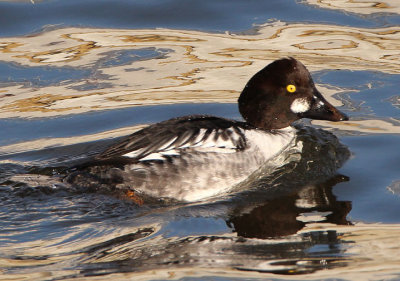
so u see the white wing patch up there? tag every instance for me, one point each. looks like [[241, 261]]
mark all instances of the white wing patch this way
[[218, 140], [168, 143], [133, 154], [152, 156]]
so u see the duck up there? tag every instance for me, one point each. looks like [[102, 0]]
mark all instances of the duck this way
[[192, 158]]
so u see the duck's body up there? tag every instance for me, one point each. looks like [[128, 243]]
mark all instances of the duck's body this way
[[187, 158], [194, 157]]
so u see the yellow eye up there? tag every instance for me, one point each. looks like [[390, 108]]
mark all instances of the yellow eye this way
[[291, 88]]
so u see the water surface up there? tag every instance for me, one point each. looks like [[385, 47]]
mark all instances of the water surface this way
[[76, 75]]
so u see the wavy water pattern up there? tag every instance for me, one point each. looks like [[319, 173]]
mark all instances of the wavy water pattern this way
[[366, 7], [109, 69], [68, 91]]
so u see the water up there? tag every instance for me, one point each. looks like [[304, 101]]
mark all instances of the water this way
[[75, 75]]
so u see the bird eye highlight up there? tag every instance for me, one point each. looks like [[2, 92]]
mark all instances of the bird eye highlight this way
[[291, 88]]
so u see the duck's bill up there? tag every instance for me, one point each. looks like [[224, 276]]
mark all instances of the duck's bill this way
[[323, 110]]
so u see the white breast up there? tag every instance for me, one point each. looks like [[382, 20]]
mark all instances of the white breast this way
[[270, 144]]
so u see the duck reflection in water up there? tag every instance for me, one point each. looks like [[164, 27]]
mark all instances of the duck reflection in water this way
[[286, 215]]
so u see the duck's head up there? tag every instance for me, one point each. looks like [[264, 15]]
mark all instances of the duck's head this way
[[282, 93]]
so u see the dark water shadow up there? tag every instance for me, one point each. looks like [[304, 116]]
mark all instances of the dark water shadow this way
[[282, 216]]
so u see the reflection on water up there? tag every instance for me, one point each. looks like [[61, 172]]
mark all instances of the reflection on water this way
[[66, 91], [287, 215], [107, 69], [359, 6], [182, 68]]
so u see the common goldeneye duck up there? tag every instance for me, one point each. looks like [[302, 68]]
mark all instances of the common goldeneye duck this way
[[195, 157]]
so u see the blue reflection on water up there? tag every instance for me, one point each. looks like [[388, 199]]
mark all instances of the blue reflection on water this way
[[373, 167], [23, 18], [126, 57], [39, 75], [374, 89]]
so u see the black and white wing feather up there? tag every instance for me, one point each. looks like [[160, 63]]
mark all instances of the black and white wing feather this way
[[171, 137]]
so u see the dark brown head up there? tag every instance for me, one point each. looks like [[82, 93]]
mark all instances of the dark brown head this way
[[282, 93]]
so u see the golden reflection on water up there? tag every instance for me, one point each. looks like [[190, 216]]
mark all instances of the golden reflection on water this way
[[195, 66], [365, 7], [371, 254]]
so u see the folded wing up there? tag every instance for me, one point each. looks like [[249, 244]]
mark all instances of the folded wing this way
[[173, 137]]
